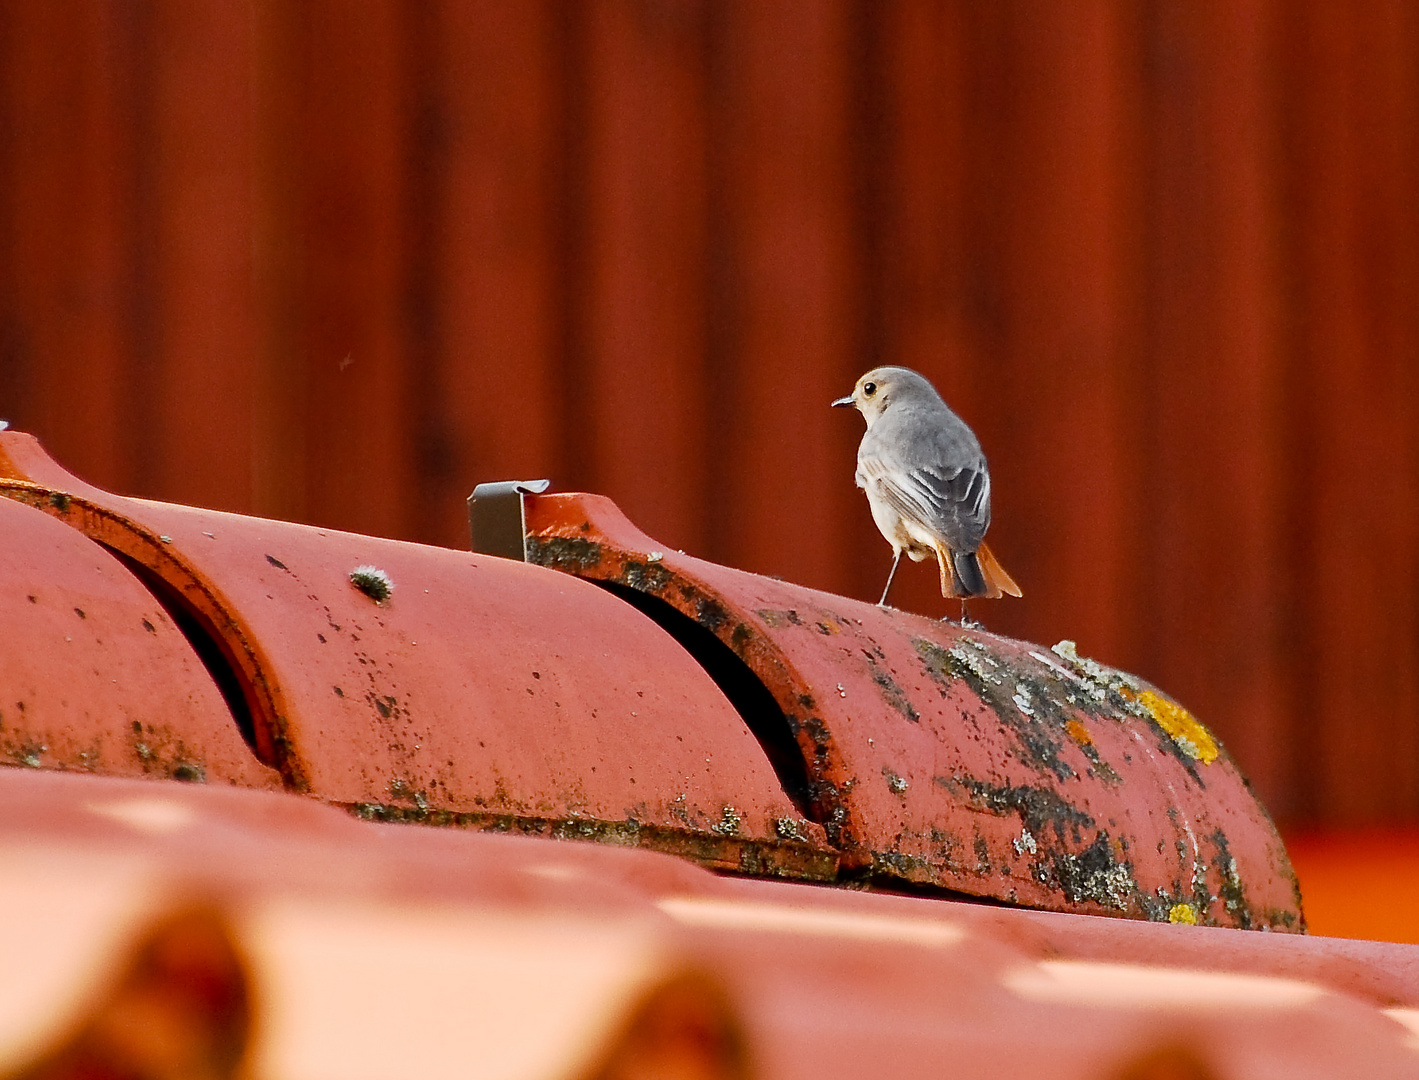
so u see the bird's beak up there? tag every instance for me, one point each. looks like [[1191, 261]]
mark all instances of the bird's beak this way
[[844, 402]]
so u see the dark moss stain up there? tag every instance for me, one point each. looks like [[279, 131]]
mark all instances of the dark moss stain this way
[[386, 705], [947, 847], [59, 501], [891, 692], [1231, 890], [647, 577], [741, 638], [1038, 807], [896, 783], [1168, 745], [824, 798], [1040, 731], [710, 614], [982, 852], [1101, 768], [161, 753], [1034, 738], [404, 791], [373, 583], [572, 554], [776, 617], [1093, 875], [28, 753], [945, 667], [898, 865], [787, 859], [815, 731]]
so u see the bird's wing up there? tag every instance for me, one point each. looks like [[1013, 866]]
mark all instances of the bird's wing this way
[[951, 503]]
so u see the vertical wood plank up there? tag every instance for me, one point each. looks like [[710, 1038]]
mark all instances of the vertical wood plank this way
[[642, 304], [789, 205], [494, 397], [1351, 81], [353, 335], [200, 225], [66, 167], [1054, 219], [280, 466], [1215, 513]]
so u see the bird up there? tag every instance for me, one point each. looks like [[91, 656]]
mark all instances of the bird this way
[[927, 483]]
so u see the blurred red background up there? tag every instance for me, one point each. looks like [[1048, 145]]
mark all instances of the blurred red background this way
[[339, 261]]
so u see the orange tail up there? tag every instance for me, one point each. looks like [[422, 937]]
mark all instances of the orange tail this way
[[996, 578], [993, 577]]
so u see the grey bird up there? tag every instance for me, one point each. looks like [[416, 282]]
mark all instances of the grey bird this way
[[927, 483]]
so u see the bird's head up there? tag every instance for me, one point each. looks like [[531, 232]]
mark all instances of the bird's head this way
[[883, 387]]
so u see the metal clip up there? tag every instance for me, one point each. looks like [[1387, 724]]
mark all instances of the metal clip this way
[[497, 520]]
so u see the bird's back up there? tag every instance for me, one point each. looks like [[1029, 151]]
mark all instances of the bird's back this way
[[927, 464]]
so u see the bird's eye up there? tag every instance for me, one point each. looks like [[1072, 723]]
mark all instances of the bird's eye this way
[[868, 389]]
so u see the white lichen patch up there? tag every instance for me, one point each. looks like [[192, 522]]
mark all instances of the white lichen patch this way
[[1187, 747], [788, 829], [1110, 887], [373, 582], [1099, 680], [1234, 879], [973, 661], [1026, 842], [1022, 699], [729, 821]]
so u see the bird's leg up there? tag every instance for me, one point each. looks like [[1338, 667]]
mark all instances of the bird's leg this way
[[890, 576], [966, 623]]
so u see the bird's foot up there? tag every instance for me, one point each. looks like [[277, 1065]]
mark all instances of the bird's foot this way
[[966, 623]]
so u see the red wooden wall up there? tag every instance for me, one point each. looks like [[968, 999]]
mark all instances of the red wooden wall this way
[[339, 261]]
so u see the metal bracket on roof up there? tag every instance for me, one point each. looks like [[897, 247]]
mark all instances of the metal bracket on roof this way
[[497, 520]]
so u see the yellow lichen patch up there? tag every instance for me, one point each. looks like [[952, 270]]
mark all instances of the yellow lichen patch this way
[[1182, 913], [1194, 739], [1078, 732]]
